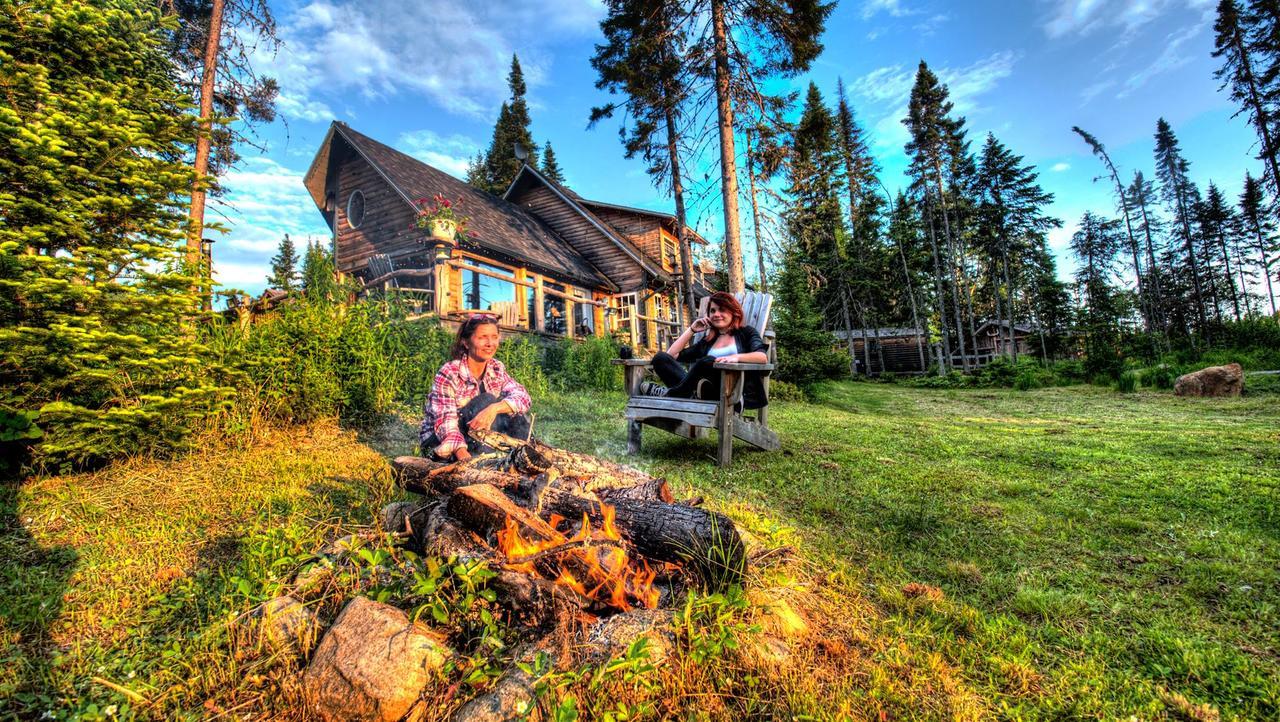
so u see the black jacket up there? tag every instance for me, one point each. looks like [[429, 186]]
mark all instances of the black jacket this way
[[748, 340]]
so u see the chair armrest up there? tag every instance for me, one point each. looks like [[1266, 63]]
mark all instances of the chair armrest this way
[[632, 362], [742, 367]]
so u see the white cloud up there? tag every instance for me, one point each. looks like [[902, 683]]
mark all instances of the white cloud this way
[[263, 200], [891, 86], [1081, 17], [1060, 167], [1170, 59], [455, 55], [451, 154], [870, 8]]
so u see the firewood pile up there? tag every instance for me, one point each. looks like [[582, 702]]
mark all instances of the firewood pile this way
[[568, 532], [586, 554]]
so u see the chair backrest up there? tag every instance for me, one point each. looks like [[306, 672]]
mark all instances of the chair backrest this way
[[380, 265], [755, 309]]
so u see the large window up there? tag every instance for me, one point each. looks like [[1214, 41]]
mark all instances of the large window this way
[[482, 292]]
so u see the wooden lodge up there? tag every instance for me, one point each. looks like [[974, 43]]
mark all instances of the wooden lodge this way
[[898, 350], [542, 258]]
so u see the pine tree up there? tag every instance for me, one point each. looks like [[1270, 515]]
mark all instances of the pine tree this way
[[284, 265], [860, 168], [785, 40], [319, 281], [550, 168], [1011, 218], [815, 228], [1217, 222], [500, 165], [1233, 46], [641, 60], [937, 140], [1260, 228], [1095, 245], [215, 41], [96, 347], [1139, 200], [1180, 194], [1148, 301]]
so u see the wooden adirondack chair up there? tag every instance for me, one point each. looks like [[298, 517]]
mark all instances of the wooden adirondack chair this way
[[692, 417]]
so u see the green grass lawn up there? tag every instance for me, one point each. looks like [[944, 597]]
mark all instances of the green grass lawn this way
[[1061, 553]]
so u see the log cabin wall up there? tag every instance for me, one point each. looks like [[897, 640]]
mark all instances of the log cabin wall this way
[[387, 223], [588, 240]]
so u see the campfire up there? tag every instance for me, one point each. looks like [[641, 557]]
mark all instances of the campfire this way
[[565, 531]]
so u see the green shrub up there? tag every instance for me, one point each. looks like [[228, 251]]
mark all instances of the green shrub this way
[[1000, 372], [1160, 377], [952, 380], [785, 391], [1127, 382], [586, 364]]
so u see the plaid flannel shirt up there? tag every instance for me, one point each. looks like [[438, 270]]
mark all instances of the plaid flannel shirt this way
[[454, 387]]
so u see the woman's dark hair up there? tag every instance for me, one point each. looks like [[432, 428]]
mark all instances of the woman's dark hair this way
[[726, 302], [467, 329]]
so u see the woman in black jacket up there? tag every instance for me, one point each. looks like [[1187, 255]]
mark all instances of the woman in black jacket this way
[[727, 339]]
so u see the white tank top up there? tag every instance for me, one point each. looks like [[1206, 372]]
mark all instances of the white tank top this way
[[722, 352]]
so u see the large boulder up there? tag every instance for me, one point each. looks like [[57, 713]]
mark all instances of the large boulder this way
[[371, 665], [1212, 381]]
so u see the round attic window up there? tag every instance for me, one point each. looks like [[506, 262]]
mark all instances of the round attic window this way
[[355, 209]]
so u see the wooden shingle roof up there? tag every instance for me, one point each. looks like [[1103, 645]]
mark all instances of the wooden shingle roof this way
[[495, 224]]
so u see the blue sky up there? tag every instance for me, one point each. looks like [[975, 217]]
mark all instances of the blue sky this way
[[427, 78]]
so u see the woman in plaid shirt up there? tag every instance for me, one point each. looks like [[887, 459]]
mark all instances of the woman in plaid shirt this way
[[473, 391]]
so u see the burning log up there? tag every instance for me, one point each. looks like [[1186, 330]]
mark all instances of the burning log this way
[[707, 540], [430, 477]]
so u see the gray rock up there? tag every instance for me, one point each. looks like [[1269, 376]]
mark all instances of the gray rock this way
[[1212, 381], [371, 665]]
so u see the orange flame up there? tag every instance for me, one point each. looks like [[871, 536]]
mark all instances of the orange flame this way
[[610, 576]]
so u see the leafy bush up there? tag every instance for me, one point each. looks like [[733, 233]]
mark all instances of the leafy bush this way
[[1127, 382], [785, 391], [805, 365], [1000, 372], [1160, 377], [586, 364]]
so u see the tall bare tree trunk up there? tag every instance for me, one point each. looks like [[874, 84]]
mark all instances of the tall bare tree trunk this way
[[1008, 288], [941, 296], [951, 261], [677, 190], [755, 214], [204, 139], [915, 318], [728, 155]]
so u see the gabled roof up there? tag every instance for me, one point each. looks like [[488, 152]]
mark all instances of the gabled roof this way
[[574, 201], [495, 224], [693, 235], [1004, 326]]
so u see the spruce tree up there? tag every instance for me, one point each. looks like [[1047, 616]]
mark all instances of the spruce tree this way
[[551, 168], [1011, 217], [1233, 46], [641, 60], [1217, 222], [860, 168], [319, 281], [1260, 228], [1148, 302], [1095, 245], [284, 265], [937, 141], [1180, 194], [1140, 202], [96, 346], [500, 165]]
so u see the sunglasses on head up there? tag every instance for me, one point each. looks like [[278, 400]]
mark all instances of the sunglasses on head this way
[[482, 317]]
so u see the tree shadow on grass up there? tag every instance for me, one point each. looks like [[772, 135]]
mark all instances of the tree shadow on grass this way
[[33, 581]]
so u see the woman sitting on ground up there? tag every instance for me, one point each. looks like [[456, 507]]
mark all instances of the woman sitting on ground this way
[[473, 391], [727, 339]]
